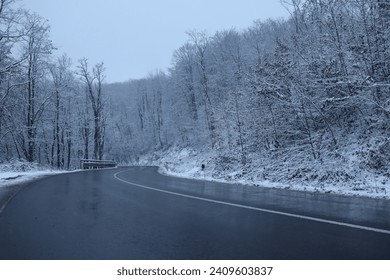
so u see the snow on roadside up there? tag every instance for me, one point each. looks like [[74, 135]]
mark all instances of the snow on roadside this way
[[17, 172], [327, 178]]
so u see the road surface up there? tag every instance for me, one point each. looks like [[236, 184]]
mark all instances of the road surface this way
[[136, 213]]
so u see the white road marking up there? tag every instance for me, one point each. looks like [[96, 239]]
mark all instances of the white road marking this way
[[5, 204], [255, 208]]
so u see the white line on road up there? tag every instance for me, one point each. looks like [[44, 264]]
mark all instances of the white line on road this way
[[255, 208]]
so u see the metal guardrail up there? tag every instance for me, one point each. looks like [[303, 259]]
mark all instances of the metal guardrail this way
[[96, 164]]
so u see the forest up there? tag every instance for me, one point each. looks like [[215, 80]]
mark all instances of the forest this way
[[302, 100]]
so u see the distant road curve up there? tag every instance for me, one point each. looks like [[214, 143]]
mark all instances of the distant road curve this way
[[137, 213]]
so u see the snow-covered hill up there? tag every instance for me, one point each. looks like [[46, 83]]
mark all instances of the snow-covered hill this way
[[329, 177]]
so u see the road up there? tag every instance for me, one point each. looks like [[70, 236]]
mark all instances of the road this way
[[136, 213]]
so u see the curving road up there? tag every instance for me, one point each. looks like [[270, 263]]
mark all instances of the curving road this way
[[136, 213]]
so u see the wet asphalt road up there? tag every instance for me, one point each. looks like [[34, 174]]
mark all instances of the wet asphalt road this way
[[120, 214]]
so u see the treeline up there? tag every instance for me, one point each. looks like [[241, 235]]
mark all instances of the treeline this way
[[49, 113], [309, 90], [281, 97]]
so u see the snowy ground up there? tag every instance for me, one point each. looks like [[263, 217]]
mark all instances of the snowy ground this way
[[17, 172], [327, 178]]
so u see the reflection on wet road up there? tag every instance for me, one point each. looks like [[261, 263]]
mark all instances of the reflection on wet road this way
[[93, 215]]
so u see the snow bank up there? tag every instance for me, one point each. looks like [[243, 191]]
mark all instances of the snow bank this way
[[17, 171], [326, 177]]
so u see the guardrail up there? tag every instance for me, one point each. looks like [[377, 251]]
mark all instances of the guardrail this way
[[96, 164]]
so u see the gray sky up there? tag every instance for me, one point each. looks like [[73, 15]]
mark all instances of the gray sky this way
[[135, 38]]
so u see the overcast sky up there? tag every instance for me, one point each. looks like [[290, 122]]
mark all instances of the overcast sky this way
[[134, 38]]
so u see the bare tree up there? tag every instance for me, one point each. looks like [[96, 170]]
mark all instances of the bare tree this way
[[201, 42], [94, 89], [37, 48], [62, 79]]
